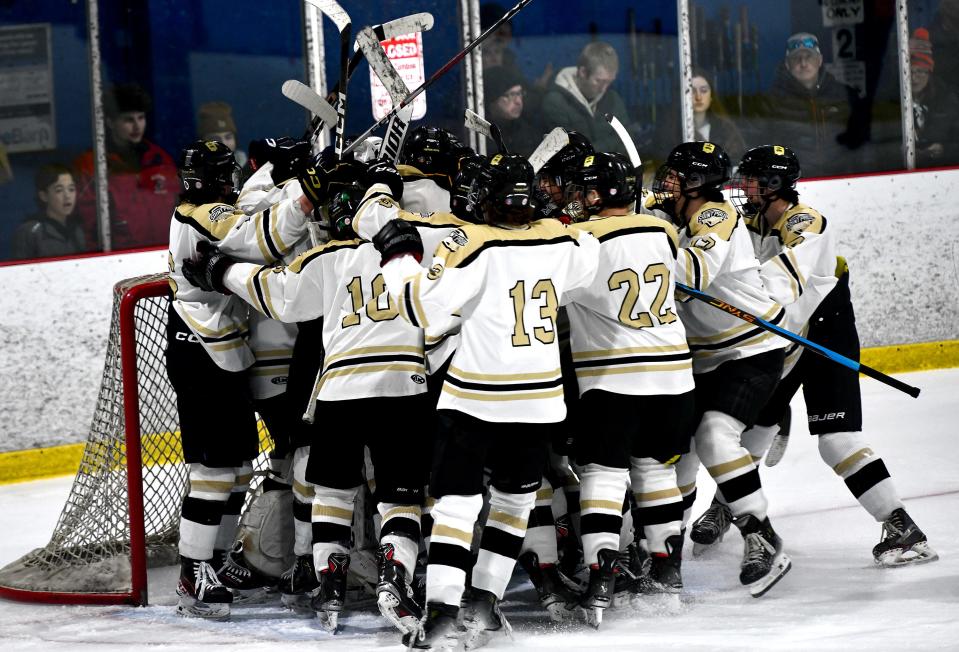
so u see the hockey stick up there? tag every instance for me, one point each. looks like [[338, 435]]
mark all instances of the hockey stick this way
[[628, 143], [300, 93], [778, 448], [442, 71], [802, 341], [395, 86], [474, 122], [332, 10], [549, 147]]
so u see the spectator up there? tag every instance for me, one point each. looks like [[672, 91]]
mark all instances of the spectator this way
[[142, 177], [581, 96], [55, 230], [809, 109], [497, 53], [505, 94], [215, 122], [935, 107], [944, 34], [711, 121]]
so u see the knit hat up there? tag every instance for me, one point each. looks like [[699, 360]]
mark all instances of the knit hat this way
[[123, 98], [498, 80], [920, 50], [214, 118], [802, 41]]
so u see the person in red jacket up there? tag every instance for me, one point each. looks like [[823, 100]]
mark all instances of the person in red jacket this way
[[142, 176]]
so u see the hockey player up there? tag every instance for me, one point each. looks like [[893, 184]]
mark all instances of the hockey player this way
[[551, 180], [736, 366], [428, 163], [503, 391], [374, 364], [208, 357], [631, 358], [800, 269]]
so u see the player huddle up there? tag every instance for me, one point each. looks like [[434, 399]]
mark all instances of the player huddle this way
[[499, 351]]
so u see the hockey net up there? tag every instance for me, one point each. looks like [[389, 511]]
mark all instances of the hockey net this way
[[123, 511]]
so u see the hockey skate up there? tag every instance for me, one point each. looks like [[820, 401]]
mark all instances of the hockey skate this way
[[330, 597], [394, 594], [200, 593], [438, 631], [602, 579], [635, 562], [551, 588], [711, 527], [659, 588], [902, 542], [482, 617], [248, 585], [297, 585], [764, 562]]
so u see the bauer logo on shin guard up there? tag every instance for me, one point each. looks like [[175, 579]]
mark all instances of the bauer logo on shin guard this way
[[832, 416]]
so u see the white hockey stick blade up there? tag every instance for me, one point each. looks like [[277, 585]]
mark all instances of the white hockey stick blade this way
[[627, 140], [298, 92], [381, 65], [478, 124], [332, 10], [421, 22], [554, 141], [776, 450]]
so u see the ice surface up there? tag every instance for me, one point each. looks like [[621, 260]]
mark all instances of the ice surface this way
[[833, 599]]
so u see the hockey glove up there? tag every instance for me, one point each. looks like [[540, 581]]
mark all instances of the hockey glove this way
[[206, 269], [386, 173], [397, 238], [286, 155]]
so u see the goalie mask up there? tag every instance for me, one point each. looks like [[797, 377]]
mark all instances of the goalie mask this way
[[503, 190], [693, 170], [603, 180], [208, 173], [766, 173]]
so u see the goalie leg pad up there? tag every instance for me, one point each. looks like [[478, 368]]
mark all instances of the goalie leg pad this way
[[266, 532]]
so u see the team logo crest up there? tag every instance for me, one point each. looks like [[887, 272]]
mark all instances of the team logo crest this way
[[456, 239], [435, 272], [799, 222], [387, 202], [219, 212], [712, 216]]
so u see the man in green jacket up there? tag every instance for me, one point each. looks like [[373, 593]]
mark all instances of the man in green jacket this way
[[581, 96]]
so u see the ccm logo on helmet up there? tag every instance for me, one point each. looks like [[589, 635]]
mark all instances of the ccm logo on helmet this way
[[832, 416]]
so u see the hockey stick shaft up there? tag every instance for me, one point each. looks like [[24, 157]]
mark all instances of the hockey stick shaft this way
[[802, 341], [474, 122], [442, 71]]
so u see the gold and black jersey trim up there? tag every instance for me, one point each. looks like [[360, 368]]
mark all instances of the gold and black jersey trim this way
[[359, 360], [785, 259], [503, 387], [492, 244], [434, 343], [267, 236], [748, 334], [605, 237], [696, 267], [193, 224], [608, 361]]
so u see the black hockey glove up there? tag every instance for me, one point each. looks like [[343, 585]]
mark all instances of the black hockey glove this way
[[206, 269], [286, 154], [386, 173], [396, 238]]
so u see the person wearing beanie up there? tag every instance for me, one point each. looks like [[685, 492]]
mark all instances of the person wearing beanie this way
[[582, 95], [142, 176], [215, 122], [505, 94], [934, 106]]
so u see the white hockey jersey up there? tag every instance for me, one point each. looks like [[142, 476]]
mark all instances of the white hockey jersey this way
[[421, 194], [369, 351], [625, 334], [716, 256], [798, 265], [507, 284], [219, 321]]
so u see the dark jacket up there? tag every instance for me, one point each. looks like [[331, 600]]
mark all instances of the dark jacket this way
[[562, 109], [39, 237], [809, 121], [723, 132], [520, 136], [935, 111]]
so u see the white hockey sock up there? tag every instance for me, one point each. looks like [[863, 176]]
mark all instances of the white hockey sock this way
[[226, 534], [729, 464], [601, 507], [863, 471], [757, 440], [401, 527], [332, 522], [202, 510], [303, 493], [658, 500], [502, 539], [541, 529], [627, 531], [449, 551], [687, 468]]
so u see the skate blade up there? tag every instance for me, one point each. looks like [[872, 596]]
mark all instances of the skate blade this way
[[251, 596], [920, 553], [781, 565], [192, 608], [593, 616], [299, 604], [387, 603], [328, 620]]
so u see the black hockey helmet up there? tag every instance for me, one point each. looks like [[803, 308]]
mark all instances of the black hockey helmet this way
[[504, 189], [433, 150], [611, 176], [464, 197], [566, 161], [693, 170], [774, 167], [208, 172], [346, 190]]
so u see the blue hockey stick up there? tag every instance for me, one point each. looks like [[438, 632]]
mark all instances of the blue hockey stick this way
[[802, 341]]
